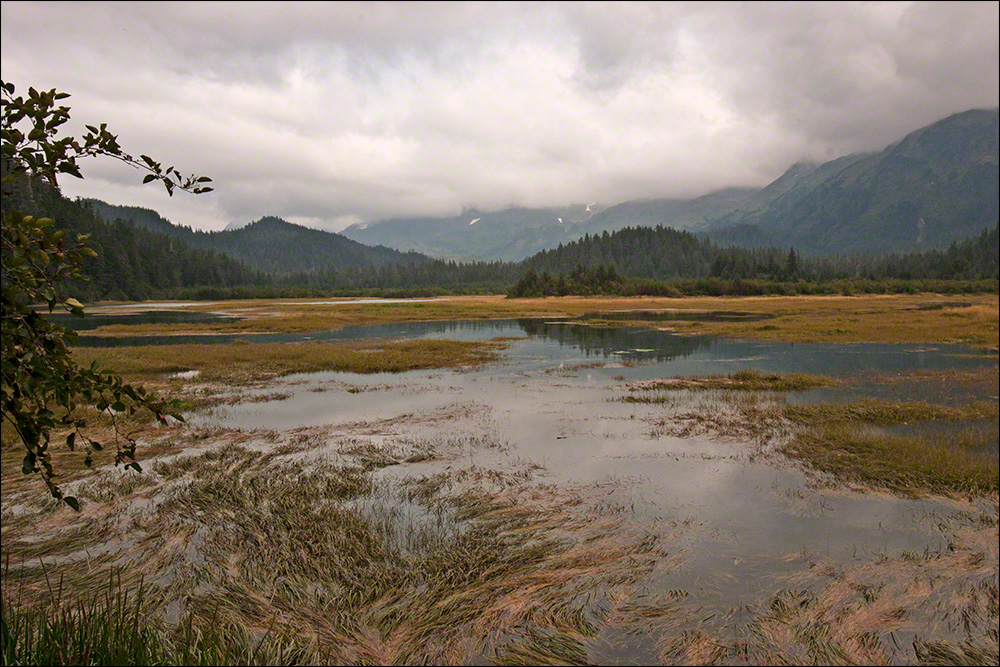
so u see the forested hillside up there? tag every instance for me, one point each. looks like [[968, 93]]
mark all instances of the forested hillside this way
[[625, 262], [132, 262], [269, 244], [658, 253]]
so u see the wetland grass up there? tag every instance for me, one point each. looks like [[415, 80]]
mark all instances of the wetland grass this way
[[745, 380], [245, 545], [881, 412], [838, 438], [903, 464], [245, 363], [113, 627], [107, 629], [984, 380], [875, 612], [358, 569], [935, 653], [923, 318]]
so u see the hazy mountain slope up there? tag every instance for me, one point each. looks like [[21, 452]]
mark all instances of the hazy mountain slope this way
[[937, 185], [515, 233], [510, 234], [677, 213], [269, 244]]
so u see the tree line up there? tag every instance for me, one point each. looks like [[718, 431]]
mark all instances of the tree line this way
[[967, 267]]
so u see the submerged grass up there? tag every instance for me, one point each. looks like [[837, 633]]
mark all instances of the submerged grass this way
[[933, 608], [357, 569], [242, 362]]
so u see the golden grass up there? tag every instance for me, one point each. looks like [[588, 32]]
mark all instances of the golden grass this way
[[883, 413], [904, 464], [925, 318], [746, 380], [242, 362]]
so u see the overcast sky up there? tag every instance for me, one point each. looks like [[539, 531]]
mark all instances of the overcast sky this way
[[329, 114]]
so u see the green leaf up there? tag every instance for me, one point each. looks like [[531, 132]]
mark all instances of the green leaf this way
[[42, 385]]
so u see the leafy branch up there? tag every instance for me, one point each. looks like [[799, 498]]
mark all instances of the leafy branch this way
[[34, 150], [42, 387]]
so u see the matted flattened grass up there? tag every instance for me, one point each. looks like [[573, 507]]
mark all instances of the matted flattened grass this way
[[358, 570], [244, 362], [930, 608], [903, 464]]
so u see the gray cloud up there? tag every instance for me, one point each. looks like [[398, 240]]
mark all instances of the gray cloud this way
[[333, 113]]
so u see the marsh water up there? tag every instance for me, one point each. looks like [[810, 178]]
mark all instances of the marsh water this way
[[744, 524]]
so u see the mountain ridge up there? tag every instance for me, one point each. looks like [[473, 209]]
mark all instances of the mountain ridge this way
[[936, 185], [269, 243]]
